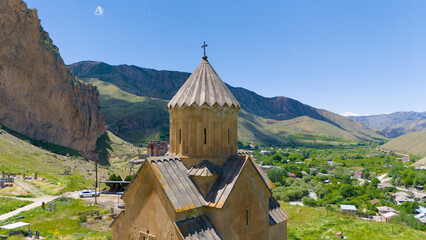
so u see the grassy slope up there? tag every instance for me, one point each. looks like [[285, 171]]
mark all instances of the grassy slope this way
[[136, 118], [317, 223], [120, 106], [421, 162], [19, 156], [10, 204], [63, 224], [414, 143]]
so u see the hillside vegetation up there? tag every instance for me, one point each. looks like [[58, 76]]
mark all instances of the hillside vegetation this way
[[414, 143], [318, 223], [21, 155], [132, 112], [132, 117]]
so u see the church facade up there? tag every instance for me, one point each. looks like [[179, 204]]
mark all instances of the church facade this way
[[204, 188]]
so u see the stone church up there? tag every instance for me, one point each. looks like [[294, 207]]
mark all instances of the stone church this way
[[204, 188]]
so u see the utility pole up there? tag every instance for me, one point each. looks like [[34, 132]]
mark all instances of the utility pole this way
[[96, 181]]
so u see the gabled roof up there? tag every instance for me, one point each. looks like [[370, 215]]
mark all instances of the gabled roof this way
[[197, 228], [180, 190], [276, 214], [231, 171], [386, 209], [204, 86], [348, 207], [204, 169], [224, 185], [389, 214]]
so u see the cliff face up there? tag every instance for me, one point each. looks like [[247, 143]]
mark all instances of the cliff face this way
[[39, 96]]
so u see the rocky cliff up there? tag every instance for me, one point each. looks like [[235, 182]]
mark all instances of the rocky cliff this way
[[39, 96]]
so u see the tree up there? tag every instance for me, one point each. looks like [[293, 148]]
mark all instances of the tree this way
[[347, 191], [408, 181], [409, 207], [277, 174], [308, 201], [277, 157], [374, 182], [129, 178]]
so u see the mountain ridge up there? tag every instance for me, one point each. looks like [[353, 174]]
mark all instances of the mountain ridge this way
[[163, 85], [395, 124]]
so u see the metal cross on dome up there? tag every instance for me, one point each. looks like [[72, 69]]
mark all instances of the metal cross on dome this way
[[204, 46]]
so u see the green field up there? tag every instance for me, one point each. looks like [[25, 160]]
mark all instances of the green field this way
[[10, 204], [65, 223], [317, 223]]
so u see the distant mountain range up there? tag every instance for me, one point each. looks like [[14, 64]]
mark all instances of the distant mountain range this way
[[262, 120], [394, 124]]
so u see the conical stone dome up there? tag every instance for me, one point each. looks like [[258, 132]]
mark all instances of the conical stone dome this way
[[203, 119], [204, 86]]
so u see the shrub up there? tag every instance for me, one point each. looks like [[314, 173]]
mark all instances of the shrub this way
[[374, 182], [308, 201], [82, 219]]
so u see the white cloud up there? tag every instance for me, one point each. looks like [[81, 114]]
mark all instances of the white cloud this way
[[348, 114], [294, 48], [99, 11]]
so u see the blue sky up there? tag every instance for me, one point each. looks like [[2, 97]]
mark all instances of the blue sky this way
[[359, 56]]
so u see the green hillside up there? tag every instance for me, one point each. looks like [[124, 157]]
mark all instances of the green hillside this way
[[132, 117], [21, 155], [414, 143], [131, 112]]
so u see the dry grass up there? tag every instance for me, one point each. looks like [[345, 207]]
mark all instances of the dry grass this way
[[414, 143]]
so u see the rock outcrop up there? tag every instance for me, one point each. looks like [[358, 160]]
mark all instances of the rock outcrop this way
[[39, 96]]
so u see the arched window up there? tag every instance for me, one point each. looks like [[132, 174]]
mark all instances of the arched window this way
[[229, 136], [247, 216], [205, 135], [180, 136]]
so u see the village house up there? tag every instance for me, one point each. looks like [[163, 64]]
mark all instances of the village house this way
[[421, 216], [358, 175], [385, 209], [404, 159], [157, 148], [265, 152], [420, 197], [401, 197], [266, 168], [204, 188], [385, 217], [349, 209]]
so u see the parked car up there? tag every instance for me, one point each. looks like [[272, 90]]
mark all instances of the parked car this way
[[90, 193]]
